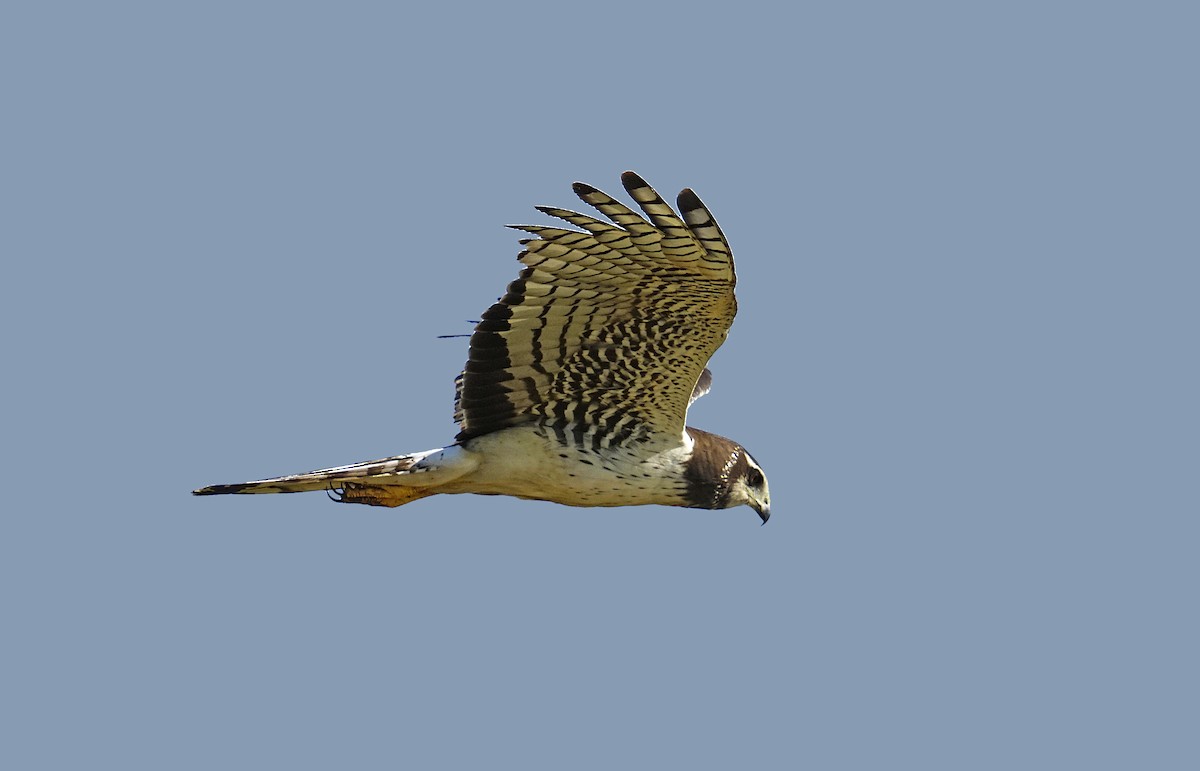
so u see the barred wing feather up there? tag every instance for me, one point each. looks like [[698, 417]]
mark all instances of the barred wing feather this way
[[604, 336]]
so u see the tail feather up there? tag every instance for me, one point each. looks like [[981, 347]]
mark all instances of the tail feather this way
[[322, 479]]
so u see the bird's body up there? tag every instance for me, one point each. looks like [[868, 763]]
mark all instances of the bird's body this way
[[534, 464], [580, 377]]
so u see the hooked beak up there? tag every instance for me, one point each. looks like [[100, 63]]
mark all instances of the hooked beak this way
[[763, 509]]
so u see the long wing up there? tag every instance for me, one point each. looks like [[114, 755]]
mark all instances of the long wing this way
[[605, 334]]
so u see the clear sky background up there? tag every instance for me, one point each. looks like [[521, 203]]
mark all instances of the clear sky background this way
[[968, 255]]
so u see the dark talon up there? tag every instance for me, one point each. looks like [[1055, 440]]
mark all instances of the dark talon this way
[[336, 494]]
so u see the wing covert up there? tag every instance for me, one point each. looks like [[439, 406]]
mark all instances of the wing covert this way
[[605, 334]]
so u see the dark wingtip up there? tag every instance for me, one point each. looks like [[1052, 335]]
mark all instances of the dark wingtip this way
[[582, 188], [632, 181], [689, 201]]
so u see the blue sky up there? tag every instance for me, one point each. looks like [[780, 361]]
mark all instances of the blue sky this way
[[965, 355]]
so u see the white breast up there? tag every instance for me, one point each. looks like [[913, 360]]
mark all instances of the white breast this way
[[527, 463]]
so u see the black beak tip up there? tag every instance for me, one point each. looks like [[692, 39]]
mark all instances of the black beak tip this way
[[765, 513]]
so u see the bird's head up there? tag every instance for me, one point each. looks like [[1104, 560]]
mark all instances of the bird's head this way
[[750, 487], [721, 474]]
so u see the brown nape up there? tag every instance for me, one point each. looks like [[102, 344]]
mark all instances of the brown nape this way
[[379, 495], [715, 461]]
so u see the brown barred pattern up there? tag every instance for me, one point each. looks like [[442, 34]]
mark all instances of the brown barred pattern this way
[[604, 336]]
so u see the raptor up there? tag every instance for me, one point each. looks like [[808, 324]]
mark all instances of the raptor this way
[[579, 379]]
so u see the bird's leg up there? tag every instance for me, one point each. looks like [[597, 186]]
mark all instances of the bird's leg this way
[[377, 495]]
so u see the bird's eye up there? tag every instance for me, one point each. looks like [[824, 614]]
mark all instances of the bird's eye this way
[[754, 477]]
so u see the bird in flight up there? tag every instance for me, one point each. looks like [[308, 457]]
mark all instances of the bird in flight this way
[[579, 379]]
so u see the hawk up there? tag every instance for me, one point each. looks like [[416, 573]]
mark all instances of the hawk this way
[[579, 379]]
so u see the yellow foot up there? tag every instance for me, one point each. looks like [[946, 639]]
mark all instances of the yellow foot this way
[[378, 495]]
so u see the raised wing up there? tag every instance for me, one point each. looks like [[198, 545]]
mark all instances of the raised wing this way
[[605, 334], [703, 386]]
